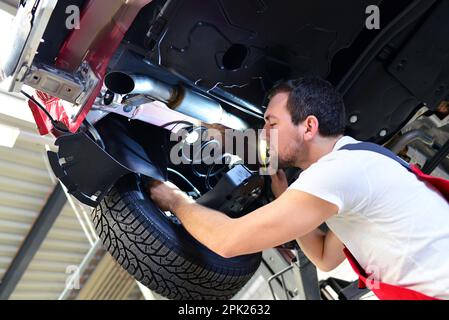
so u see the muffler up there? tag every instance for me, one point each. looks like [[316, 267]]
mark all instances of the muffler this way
[[177, 98]]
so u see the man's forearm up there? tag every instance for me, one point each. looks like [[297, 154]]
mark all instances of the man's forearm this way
[[325, 250], [210, 227], [312, 245]]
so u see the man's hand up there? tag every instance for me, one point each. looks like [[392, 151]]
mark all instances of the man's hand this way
[[279, 183], [166, 195]]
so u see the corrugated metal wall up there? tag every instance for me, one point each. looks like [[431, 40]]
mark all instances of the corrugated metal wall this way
[[109, 281]]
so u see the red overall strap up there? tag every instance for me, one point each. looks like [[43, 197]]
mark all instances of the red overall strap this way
[[383, 291], [440, 184]]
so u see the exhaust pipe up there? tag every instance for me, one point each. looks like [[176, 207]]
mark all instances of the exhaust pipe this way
[[177, 98]]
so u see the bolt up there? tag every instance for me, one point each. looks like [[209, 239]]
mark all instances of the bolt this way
[[383, 133], [353, 119], [401, 66], [127, 108]]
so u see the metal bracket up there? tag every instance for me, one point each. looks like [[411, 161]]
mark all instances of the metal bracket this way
[[277, 276], [235, 191], [74, 88], [304, 277], [27, 30], [56, 83], [345, 290]]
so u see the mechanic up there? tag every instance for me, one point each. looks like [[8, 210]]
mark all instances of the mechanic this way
[[395, 226]]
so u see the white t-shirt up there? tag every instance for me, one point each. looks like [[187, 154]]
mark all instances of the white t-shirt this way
[[394, 225]]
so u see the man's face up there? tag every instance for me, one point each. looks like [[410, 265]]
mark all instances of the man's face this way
[[289, 147]]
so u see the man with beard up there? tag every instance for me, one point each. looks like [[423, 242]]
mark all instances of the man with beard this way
[[372, 205]]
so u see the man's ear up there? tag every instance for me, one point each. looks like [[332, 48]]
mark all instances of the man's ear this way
[[311, 125]]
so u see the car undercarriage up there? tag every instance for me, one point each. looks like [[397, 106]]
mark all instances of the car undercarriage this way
[[114, 86]]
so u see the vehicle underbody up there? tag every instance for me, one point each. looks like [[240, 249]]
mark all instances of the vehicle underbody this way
[[136, 70]]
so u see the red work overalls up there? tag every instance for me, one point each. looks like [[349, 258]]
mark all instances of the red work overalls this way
[[386, 291]]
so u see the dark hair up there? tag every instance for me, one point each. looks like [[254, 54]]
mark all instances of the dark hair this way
[[314, 96]]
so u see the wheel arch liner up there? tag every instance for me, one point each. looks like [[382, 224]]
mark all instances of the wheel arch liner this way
[[89, 171]]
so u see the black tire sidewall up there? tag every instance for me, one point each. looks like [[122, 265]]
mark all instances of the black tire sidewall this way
[[176, 236]]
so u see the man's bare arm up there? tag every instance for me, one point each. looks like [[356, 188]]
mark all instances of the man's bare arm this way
[[325, 250], [294, 214]]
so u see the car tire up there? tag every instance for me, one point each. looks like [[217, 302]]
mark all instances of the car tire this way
[[160, 253]]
